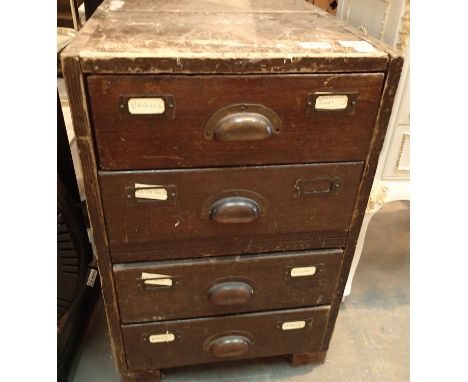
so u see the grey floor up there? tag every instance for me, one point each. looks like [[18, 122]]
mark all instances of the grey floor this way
[[371, 339]]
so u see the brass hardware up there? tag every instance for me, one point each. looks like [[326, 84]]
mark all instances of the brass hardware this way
[[229, 346], [242, 123], [234, 210], [316, 187], [230, 293], [208, 203]]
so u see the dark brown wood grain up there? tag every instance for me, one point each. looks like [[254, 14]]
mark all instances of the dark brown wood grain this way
[[127, 141], [181, 225], [75, 88], [233, 208], [300, 359], [388, 96], [192, 338], [286, 65], [268, 276], [150, 375]]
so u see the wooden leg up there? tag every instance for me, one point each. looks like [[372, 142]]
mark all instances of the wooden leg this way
[[298, 359], [141, 376]]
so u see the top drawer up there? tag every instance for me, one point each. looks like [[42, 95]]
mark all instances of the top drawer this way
[[149, 121]]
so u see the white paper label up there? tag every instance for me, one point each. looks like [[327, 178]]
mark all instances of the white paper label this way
[[156, 279], [148, 191], [303, 271], [166, 337], [314, 45], [146, 106], [162, 282], [92, 278], [293, 325], [359, 46], [331, 102]]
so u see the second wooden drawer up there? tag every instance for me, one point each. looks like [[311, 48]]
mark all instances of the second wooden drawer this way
[[156, 215], [196, 288]]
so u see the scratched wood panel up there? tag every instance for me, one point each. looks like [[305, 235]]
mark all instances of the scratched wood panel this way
[[185, 39], [219, 37], [265, 280], [261, 333], [181, 225], [127, 141], [81, 124], [385, 110]]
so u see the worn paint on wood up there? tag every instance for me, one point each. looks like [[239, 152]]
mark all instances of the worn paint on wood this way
[[267, 276], [294, 201], [214, 36], [126, 141], [182, 227]]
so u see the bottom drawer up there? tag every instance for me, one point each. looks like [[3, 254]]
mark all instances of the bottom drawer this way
[[184, 342]]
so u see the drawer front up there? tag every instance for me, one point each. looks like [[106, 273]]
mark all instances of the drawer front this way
[[144, 122], [188, 213], [195, 288], [204, 340]]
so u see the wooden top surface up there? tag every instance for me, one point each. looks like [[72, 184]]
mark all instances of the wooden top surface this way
[[197, 35]]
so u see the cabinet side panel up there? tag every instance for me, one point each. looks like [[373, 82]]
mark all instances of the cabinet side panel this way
[[388, 95], [77, 97]]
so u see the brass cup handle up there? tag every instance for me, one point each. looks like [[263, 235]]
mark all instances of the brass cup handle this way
[[242, 123], [230, 293], [243, 127], [234, 210], [229, 346]]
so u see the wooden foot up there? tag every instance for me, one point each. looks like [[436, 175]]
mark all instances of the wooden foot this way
[[298, 359], [141, 376]]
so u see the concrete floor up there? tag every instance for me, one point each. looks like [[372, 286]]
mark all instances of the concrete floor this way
[[371, 339]]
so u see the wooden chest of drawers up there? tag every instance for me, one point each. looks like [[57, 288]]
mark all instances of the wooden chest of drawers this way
[[228, 151]]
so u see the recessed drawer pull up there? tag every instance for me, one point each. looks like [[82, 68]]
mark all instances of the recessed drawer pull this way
[[229, 346], [242, 123], [243, 127], [230, 293], [234, 210]]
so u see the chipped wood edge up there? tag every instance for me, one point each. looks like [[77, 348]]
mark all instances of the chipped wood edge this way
[[370, 167], [276, 65], [141, 376], [380, 129], [300, 359], [75, 85], [312, 62]]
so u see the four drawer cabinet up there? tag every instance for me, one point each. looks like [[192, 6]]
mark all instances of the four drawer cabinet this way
[[228, 151]]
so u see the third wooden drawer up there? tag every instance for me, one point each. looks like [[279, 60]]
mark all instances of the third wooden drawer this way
[[166, 290]]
